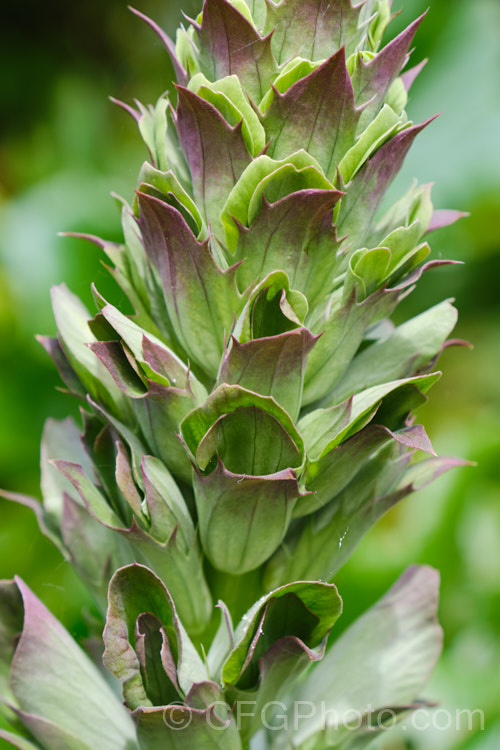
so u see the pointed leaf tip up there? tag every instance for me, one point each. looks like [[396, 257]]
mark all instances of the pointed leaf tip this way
[[201, 298], [180, 71], [367, 189], [442, 218], [216, 153], [303, 117], [126, 107], [373, 78], [230, 44], [409, 77]]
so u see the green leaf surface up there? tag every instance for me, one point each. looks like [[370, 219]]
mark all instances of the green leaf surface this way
[[320, 543], [72, 320], [94, 500], [382, 18], [272, 366], [62, 440], [273, 179], [137, 449], [281, 182], [364, 401], [228, 96], [295, 234], [180, 727], [415, 206], [201, 440], [401, 242], [420, 474], [155, 657], [409, 348], [229, 44], [159, 416], [304, 610], [372, 77], [328, 475], [159, 404], [95, 551], [222, 643], [342, 333], [151, 353], [257, 509], [159, 134], [289, 74], [216, 153], [54, 681], [303, 117], [289, 628], [272, 308], [385, 657], [169, 392], [115, 360], [167, 507], [368, 269], [168, 184], [386, 124], [312, 28], [67, 374], [133, 591], [201, 299], [174, 559], [366, 190], [50, 734], [249, 441], [17, 741], [257, 9]]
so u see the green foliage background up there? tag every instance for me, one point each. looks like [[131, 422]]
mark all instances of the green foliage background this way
[[64, 147]]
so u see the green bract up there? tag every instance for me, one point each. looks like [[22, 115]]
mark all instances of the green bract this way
[[245, 427]]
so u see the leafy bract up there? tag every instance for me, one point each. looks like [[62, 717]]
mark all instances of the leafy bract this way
[[368, 187], [303, 116], [58, 691], [258, 508], [215, 151], [227, 95], [158, 530], [190, 276], [295, 234], [273, 366], [255, 415], [311, 28], [142, 624], [229, 44], [276, 640], [386, 658], [270, 179]]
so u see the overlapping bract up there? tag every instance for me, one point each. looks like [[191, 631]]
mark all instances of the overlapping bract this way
[[261, 281], [255, 415], [177, 699]]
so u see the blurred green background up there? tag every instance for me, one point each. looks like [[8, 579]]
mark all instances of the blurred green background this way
[[64, 147]]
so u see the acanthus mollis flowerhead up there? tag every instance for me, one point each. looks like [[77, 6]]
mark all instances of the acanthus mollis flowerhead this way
[[254, 416], [260, 372]]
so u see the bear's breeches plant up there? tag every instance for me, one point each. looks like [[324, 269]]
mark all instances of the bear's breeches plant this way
[[253, 417]]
